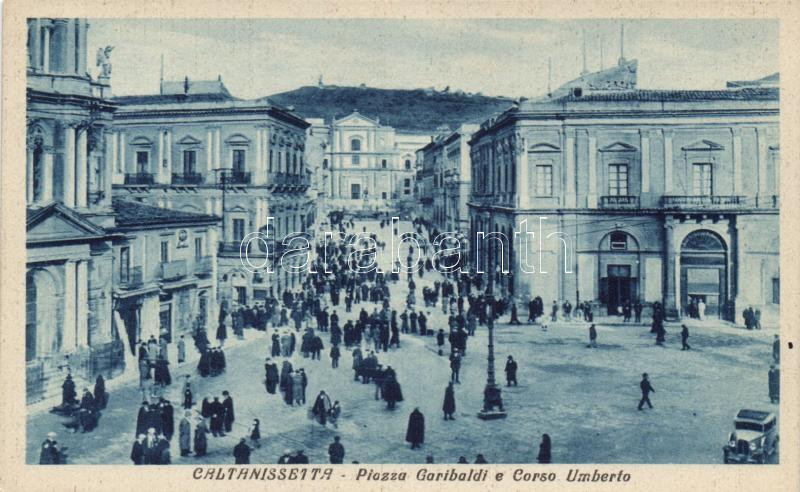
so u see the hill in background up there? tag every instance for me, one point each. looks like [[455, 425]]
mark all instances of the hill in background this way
[[415, 110]]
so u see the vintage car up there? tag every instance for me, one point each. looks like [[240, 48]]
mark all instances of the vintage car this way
[[754, 439]]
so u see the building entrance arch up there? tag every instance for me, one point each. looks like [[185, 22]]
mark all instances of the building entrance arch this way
[[704, 274]]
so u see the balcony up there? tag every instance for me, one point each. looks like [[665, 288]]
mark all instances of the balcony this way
[[203, 266], [619, 201], [702, 201], [173, 270], [130, 279], [235, 178], [187, 179], [141, 179]]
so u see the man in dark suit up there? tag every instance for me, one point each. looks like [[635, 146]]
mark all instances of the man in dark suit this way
[[646, 389]]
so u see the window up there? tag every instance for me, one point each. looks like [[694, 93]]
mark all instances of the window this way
[[142, 161], [776, 290], [356, 160], [124, 264], [407, 182], [407, 191], [408, 164], [270, 160], [188, 161], [238, 230], [618, 179], [619, 240], [544, 180], [324, 163], [383, 163], [238, 161], [355, 191], [164, 251], [241, 295], [383, 195], [294, 163], [198, 248], [355, 145], [701, 179]]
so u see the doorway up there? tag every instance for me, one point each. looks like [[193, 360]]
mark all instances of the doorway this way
[[619, 287], [165, 322]]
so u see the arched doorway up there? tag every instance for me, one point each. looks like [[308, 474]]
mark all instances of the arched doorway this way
[[42, 316], [703, 273]]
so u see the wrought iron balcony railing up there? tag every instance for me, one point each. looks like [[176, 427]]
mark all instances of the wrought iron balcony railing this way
[[139, 179], [187, 178], [173, 270], [702, 201], [619, 201]]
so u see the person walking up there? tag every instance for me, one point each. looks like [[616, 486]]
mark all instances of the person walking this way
[[415, 434], [449, 405], [440, 340], [255, 433], [646, 388], [592, 336], [511, 371], [335, 354], [336, 451], [544, 450], [685, 337], [227, 405], [455, 366], [200, 439]]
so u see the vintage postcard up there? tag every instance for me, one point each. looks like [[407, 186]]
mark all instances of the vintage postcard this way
[[385, 245]]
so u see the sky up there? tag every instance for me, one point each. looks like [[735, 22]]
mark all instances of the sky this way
[[259, 57]]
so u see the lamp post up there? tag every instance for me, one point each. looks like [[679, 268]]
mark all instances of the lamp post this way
[[492, 397]]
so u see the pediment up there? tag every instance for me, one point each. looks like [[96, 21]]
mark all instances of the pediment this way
[[618, 147], [356, 119], [141, 141], [237, 138], [189, 140], [56, 222], [704, 145], [544, 147]]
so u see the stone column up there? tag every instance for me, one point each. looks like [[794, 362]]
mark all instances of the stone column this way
[[123, 166], [46, 49], [645, 146], [168, 147], [36, 49], [69, 167], [160, 149], [29, 192], [569, 154], [673, 270], [218, 148], [82, 303], [522, 177], [108, 166], [69, 48], [737, 161], [68, 334], [83, 27], [592, 197], [259, 157], [47, 175], [209, 166], [761, 136], [81, 166], [667, 162]]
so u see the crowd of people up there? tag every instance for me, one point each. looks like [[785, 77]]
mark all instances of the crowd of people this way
[[298, 325]]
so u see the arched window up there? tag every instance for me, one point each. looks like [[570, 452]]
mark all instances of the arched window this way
[[355, 144], [408, 164]]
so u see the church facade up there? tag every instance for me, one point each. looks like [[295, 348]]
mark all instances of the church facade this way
[[372, 167], [68, 324], [660, 196]]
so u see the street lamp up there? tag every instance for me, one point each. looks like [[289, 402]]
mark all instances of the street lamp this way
[[492, 397]]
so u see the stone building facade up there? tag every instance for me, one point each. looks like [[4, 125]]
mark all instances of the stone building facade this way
[[194, 147], [69, 212], [447, 176], [164, 273], [372, 167], [668, 196]]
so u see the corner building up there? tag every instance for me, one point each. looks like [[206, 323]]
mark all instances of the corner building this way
[[194, 147], [668, 196]]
